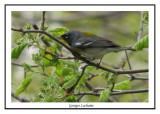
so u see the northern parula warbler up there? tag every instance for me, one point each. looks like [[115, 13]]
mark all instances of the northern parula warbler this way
[[91, 45]]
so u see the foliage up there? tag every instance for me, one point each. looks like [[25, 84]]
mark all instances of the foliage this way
[[59, 31], [58, 76], [23, 86], [71, 99], [16, 51], [70, 83], [123, 85], [145, 17], [109, 78], [143, 43], [104, 95], [27, 67]]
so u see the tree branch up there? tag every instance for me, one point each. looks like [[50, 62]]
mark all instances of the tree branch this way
[[22, 65], [113, 93], [129, 92], [59, 58], [78, 56], [71, 90], [56, 56], [43, 32], [140, 78], [83, 69]]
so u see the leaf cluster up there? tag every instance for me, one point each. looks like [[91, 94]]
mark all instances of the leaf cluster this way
[[62, 74]]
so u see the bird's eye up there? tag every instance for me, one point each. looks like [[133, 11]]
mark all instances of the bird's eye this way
[[66, 37]]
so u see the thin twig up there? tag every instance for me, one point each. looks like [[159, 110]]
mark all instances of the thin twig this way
[[129, 64], [112, 86], [87, 93], [69, 58], [83, 69], [140, 78], [129, 92], [110, 65], [79, 56], [44, 32], [25, 73], [136, 78], [43, 20], [56, 56], [141, 28], [80, 98], [22, 65], [74, 86], [98, 89], [43, 40], [92, 76], [113, 93]]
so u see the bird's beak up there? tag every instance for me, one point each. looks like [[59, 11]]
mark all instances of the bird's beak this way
[[60, 37]]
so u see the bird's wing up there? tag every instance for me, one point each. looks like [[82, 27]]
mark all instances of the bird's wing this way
[[94, 42]]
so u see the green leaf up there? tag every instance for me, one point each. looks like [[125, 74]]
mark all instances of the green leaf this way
[[63, 71], [53, 79], [123, 85], [47, 62], [71, 99], [70, 83], [59, 31], [56, 80], [67, 78], [58, 46], [24, 85], [146, 100], [143, 43], [37, 58], [104, 95], [16, 51], [67, 71], [27, 67], [48, 98], [111, 77], [27, 26], [104, 75], [145, 17], [53, 49], [42, 90], [46, 26], [59, 72], [46, 38]]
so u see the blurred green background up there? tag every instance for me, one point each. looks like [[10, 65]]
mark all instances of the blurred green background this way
[[120, 27]]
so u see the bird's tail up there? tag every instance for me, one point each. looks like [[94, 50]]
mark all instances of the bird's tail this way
[[128, 48]]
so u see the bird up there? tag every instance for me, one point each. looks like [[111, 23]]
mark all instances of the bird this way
[[90, 45]]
